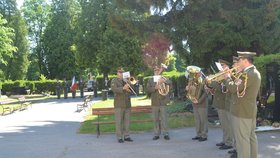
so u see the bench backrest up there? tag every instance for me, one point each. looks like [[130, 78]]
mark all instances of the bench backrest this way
[[107, 111]]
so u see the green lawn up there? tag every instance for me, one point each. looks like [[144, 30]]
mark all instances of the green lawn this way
[[178, 118]]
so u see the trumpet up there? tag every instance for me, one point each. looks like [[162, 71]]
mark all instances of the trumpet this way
[[218, 77]]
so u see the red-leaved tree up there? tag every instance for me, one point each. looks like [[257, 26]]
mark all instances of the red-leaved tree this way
[[155, 50]]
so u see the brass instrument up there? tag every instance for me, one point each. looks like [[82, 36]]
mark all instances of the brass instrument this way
[[218, 77], [131, 81], [194, 84], [163, 87]]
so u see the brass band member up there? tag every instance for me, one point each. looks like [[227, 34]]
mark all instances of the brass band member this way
[[122, 105], [231, 97], [200, 106], [159, 103], [222, 105], [244, 109]]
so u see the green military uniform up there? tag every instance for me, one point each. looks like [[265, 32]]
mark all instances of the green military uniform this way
[[220, 102], [81, 87], [57, 89], [122, 105], [65, 89], [228, 123], [159, 103], [231, 97], [244, 111], [200, 111]]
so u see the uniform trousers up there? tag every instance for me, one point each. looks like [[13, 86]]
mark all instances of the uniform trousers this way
[[231, 134], [225, 122], [160, 120], [122, 118], [201, 121], [245, 136]]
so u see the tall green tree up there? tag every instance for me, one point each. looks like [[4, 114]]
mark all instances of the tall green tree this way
[[105, 37], [17, 65], [59, 39], [6, 48], [36, 14]]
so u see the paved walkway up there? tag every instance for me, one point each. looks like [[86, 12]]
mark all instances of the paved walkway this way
[[49, 130]]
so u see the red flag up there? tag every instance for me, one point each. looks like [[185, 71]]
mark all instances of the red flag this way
[[74, 84]]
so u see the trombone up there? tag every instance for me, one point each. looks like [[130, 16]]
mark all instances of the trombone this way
[[130, 81]]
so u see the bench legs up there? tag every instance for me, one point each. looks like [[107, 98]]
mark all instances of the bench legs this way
[[97, 127]]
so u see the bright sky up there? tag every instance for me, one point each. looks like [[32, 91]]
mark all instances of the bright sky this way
[[19, 3]]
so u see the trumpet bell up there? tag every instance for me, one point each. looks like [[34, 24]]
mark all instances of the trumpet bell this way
[[191, 71]]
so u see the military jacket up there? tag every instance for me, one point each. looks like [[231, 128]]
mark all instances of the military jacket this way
[[219, 96], [121, 97], [156, 98], [202, 97], [246, 106]]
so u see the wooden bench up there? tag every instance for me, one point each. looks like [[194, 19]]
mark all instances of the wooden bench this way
[[6, 109], [85, 104], [110, 111], [23, 103]]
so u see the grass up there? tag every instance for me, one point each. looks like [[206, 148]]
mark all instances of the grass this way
[[178, 118]]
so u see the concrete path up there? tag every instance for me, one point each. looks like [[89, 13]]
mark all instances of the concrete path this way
[[49, 130]]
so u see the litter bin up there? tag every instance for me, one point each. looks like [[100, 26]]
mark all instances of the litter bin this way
[[104, 94]]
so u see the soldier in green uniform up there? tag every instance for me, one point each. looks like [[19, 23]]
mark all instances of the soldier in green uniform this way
[[65, 89], [219, 91], [81, 87], [57, 88], [122, 105], [159, 103], [244, 108], [200, 107], [231, 97]]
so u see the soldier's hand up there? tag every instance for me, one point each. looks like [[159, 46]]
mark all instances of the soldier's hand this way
[[157, 86], [126, 87], [195, 101]]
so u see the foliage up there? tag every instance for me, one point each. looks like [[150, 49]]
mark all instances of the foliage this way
[[155, 49], [18, 65], [58, 39], [123, 48], [36, 14], [42, 77], [6, 46], [34, 86], [261, 62]]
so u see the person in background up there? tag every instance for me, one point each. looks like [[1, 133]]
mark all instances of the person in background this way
[[81, 87], [122, 106], [159, 103]]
